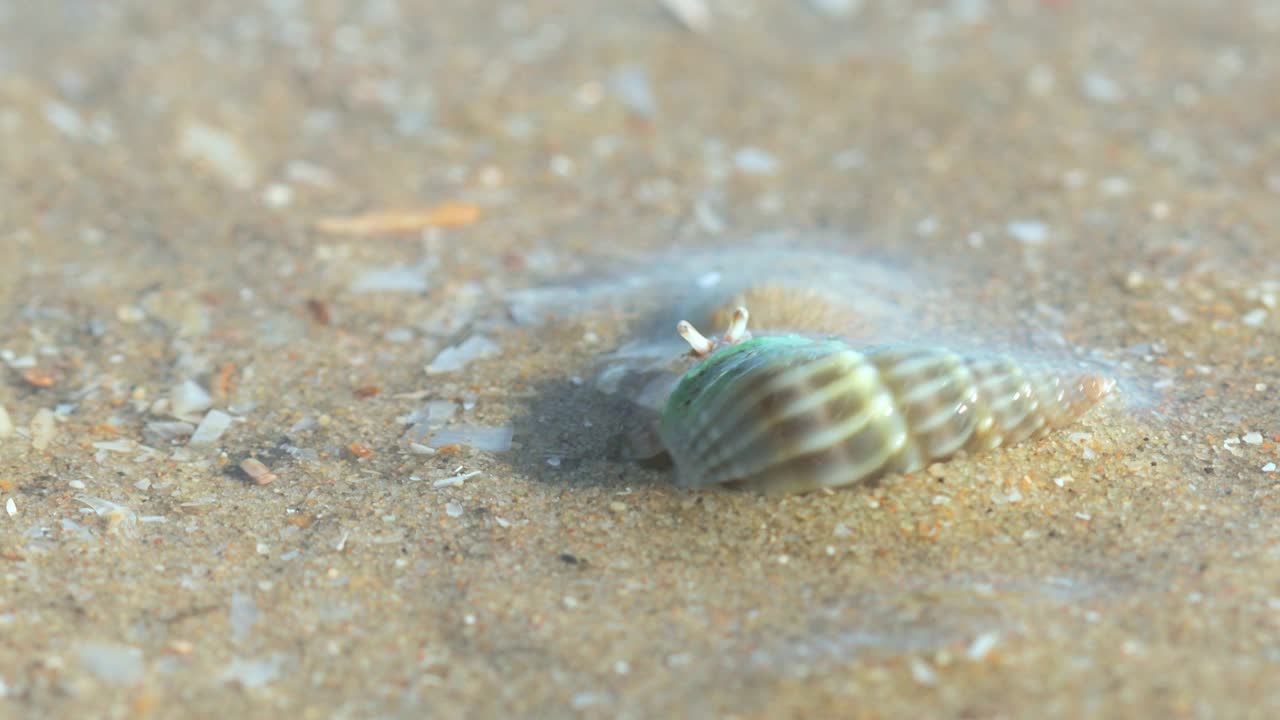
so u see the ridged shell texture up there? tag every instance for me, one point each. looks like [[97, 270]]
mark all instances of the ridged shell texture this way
[[791, 414]]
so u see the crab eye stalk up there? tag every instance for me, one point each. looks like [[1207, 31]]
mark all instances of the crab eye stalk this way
[[737, 326], [700, 345]]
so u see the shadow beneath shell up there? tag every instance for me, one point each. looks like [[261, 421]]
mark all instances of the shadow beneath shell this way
[[575, 435]]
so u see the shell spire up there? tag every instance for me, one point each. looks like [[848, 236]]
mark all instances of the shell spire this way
[[791, 413]]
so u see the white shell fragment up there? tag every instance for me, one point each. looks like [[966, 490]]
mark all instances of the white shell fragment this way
[[455, 480], [118, 518], [161, 432], [188, 398], [121, 445], [480, 437], [211, 428], [453, 359]]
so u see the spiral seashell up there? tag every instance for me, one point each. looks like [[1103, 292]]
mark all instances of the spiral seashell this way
[[791, 413]]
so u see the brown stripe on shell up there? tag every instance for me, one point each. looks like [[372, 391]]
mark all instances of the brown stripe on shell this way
[[779, 411], [790, 439]]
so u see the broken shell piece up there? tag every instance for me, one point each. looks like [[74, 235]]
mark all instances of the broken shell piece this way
[[258, 472]]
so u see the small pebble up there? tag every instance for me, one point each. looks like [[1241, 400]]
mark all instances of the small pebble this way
[[618, 507], [42, 429], [258, 472], [1253, 438], [453, 509], [277, 195], [922, 673], [1254, 318], [562, 165], [630, 84], [1040, 80], [982, 646], [837, 8], [707, 217], [219, 151], [64, 118], [1028, 232], [1115, 186], [1100, 88], [112, 663], [754, 161], [391, 280], [11, 507]]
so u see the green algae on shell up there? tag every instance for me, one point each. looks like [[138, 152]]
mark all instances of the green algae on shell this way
[[790, 413]]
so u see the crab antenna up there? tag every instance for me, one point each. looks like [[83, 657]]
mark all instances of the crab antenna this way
[[737, 326], [700, 344]]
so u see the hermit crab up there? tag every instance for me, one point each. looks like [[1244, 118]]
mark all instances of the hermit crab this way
[[790, 413]]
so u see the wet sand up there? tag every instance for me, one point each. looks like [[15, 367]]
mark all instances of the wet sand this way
[[339, 237]]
